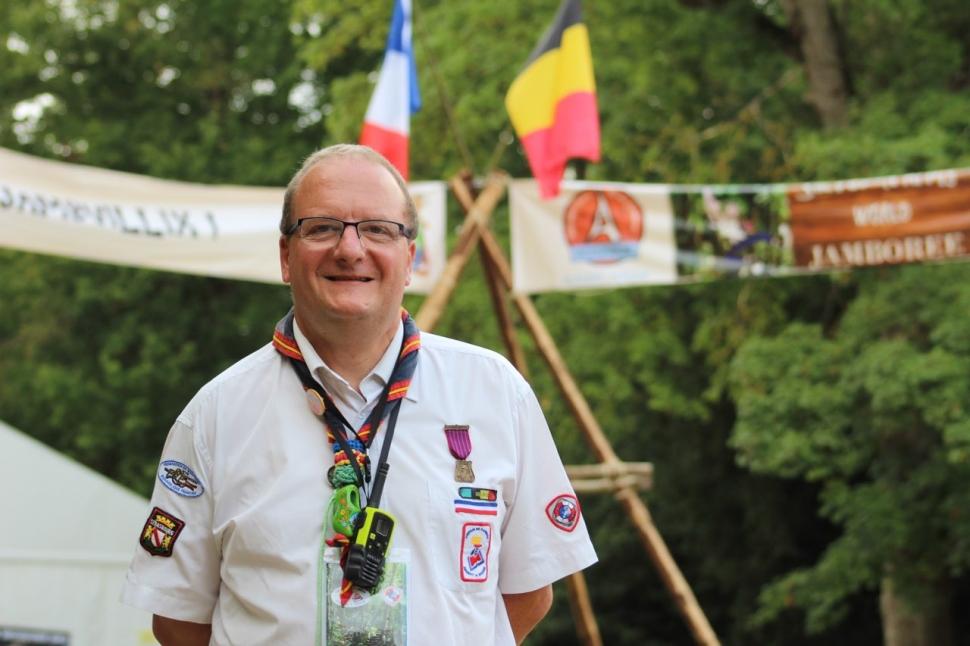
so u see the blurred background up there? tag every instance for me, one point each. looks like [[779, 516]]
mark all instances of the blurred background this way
[[810, 434]]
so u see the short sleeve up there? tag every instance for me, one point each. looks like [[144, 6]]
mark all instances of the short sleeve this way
[[175, 569], [544, 538]]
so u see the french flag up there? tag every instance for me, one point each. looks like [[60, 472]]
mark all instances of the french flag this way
[[387, 124]]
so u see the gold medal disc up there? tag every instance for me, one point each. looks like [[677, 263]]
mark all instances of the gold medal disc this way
[[463, 471]]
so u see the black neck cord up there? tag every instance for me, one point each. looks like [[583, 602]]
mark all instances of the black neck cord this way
[[303, 372]]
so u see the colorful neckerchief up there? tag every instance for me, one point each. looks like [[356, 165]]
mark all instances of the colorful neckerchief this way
[[343, 473]]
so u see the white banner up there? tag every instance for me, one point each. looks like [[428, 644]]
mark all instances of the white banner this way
[[226, 231], [592, 235]]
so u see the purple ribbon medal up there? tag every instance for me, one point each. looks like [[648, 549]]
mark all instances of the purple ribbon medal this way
[[460, 446]]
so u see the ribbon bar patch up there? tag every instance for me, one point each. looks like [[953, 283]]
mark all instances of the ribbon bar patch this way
[[477, 493]]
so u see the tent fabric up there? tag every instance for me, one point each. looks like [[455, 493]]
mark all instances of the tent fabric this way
[[68, 535]]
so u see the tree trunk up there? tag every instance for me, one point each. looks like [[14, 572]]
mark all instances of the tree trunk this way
[[811, 22], [924, 621]]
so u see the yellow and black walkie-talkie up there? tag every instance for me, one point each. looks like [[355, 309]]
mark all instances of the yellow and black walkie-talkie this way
[[374, 528], [365, 561]]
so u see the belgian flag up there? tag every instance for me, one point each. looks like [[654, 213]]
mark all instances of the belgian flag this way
[[552, 102]]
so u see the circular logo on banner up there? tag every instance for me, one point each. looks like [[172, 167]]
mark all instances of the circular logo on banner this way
[[603, 226]]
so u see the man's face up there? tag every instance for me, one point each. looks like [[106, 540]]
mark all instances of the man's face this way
[[351, 279]]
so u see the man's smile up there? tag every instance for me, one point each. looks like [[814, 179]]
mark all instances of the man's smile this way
[[359, 279]]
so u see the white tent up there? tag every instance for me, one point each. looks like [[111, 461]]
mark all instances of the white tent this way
[[66, 536]]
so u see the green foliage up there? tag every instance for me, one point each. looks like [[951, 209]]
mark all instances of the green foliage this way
[[874, 410], [96, 361]]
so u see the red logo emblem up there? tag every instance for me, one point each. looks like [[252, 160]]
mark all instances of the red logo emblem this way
[[563, 511], [603, 226]]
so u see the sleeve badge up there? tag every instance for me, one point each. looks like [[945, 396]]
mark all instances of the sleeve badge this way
[[180, 478], [563, 512], [160, 531]]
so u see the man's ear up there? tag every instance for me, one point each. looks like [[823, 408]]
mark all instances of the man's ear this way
[[285, 258], [412, 249]]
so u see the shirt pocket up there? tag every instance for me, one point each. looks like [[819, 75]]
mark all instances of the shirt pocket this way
[[465, 537]]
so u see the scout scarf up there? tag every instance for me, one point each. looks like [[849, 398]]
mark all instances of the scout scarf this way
[[351, 468]]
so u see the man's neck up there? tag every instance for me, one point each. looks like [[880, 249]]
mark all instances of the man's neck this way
[[349, 348]]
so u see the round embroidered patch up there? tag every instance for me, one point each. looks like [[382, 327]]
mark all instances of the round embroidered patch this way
[[563, 511], [180, 478]]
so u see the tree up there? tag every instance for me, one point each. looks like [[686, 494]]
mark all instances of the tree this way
[[811, 22], [98, 360], [872, 409]]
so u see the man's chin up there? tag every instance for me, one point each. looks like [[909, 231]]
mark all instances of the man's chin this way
[[349, 310]]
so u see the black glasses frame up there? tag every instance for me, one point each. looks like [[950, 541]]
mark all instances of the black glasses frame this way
[[293, 228]]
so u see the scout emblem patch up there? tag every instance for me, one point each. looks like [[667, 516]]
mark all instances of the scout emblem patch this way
[[476, 542], [160, 531], [563, 511], [179, 478], [460, 446]]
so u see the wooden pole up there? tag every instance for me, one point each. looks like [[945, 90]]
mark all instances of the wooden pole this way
[[579, 602], [495, 288], [636, 509], [476, 220], [582, 610], [603, 477]]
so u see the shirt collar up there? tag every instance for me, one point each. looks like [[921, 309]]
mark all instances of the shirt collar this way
[[371, 386]]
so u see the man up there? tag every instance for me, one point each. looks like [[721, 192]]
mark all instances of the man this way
[[259, 472]]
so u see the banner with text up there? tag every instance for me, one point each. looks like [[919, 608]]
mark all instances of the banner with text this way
[[887, 220], [602, 235], [114, 217]]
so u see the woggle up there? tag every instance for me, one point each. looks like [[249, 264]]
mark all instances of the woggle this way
[[346, 506]]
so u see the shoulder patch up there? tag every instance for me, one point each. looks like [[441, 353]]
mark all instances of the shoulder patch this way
[[160, 531], [180, 478], [563, 512]]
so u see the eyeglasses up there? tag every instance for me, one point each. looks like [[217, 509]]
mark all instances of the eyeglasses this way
[[330, 230]]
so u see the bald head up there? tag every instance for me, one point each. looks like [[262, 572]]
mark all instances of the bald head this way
[[363, 153]]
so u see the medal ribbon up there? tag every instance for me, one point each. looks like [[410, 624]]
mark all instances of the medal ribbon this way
[[459, 441], [344, 472]]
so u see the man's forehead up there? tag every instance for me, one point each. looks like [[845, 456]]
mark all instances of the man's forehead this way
[[337, 177]]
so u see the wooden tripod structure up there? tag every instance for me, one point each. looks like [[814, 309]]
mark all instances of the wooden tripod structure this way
[[611, 474]]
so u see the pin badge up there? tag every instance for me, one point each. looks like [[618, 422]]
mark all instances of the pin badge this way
[[315, 402]]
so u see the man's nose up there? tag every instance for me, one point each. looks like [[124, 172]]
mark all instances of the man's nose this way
[[350, 241]]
